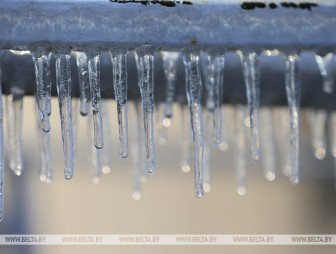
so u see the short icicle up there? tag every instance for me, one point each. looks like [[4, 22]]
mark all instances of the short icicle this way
[[41, 58], [83, 79], [194, 95], [324, 64]]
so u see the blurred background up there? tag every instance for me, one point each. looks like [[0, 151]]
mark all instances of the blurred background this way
[[168, 204]]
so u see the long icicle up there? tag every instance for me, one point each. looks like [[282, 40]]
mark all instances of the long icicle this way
[[214, 69], [1, 149], [145, 66], [323, 64], [94, 81], [267, 143], [119, 67], [63, 80], [194, 95], [106, 158], [169, 59], [293, 91], [41, 60], [240, 150], [15, 104], [83, 79], [250, 66]]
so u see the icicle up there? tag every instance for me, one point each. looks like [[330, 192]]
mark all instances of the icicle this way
[[14, 128], [170, 67], [145, 66], [185, 140], [293, 98], [240, 150], [94, 81], [1, 148], [214, 70], [323, 64], [267, 143], [84, 86], [41, 58], [318, 119], [194, 95], [119, 66], [106, 152], [137, 152], [94, 154], [46, 171], [63, 80], [75, 107], [250, 66]]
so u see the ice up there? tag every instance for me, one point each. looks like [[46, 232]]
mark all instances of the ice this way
[[93, 59], [267, 143], [324, 64], [119, 66], [63, 81], [106, 152], [213, 66], [169, 59], [83, 79], [240, 149], [250, 64], [293, 91], [14, 129], [145, 65], [318, 119], [194, 95], [41, 58]]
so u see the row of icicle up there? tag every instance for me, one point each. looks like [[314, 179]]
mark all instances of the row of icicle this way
[[90, 104]]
